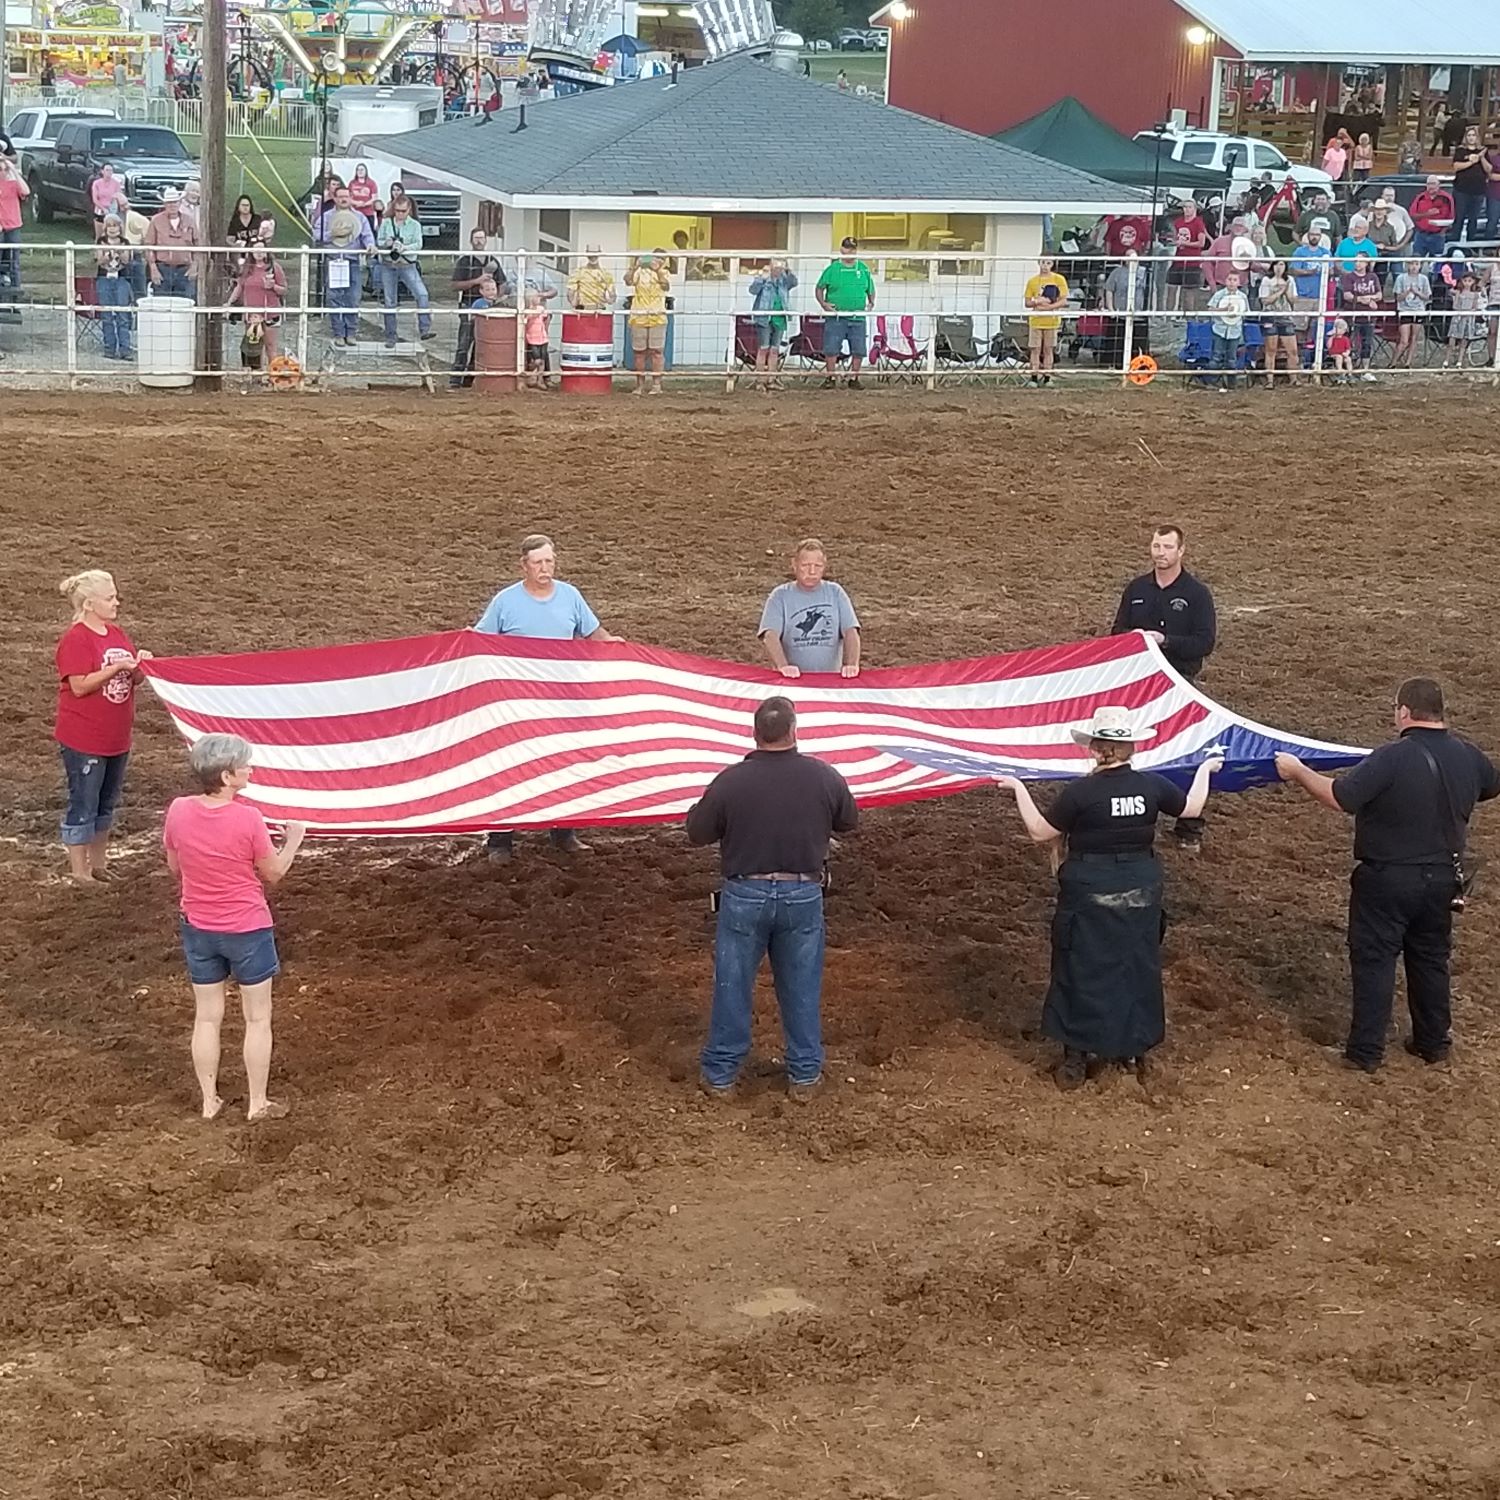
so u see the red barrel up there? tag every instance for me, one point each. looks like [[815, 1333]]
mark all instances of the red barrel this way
[[588, 353], [495, 353]]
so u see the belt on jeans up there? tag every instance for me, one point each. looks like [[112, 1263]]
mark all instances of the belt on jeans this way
[[1398, 864], [1102, 856], [788, 876]]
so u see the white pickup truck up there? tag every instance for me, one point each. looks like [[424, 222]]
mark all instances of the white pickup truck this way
[[38, 126], [1241, 157]]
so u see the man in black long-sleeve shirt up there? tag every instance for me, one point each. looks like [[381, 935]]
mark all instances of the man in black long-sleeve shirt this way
[[771, 815], [1175, 609]]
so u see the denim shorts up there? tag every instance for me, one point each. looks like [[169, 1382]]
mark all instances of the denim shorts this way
[[213, 956], [839, 330], [768, 335]]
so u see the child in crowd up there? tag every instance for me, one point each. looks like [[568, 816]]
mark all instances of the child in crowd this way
[[1341, 353], [538, 343], [1463, 327]]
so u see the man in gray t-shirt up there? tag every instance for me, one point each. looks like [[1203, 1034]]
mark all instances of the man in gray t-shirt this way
[[809, 625]]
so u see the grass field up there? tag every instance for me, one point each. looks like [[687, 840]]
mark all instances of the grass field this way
[[867, 68]]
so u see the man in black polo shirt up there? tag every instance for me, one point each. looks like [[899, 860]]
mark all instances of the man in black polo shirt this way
[[771, 815], [1411, 801], [1177, 611]]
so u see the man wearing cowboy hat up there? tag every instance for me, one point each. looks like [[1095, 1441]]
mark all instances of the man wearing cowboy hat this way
[[1105, 997], [170, 241]]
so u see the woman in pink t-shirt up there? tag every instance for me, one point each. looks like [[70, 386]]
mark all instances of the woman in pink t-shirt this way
[[221, 851], [108, 194]]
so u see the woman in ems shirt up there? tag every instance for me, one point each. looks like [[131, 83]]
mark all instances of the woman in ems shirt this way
[[1105, 998], [222, 851]]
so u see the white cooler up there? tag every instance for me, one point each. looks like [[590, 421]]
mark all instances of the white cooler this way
[[165, 341]]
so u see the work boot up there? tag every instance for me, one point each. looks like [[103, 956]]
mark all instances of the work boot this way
[[499, 848], [719, 1092], [1438, 1054], [1073, 1071], [565, 841], [830, 384]]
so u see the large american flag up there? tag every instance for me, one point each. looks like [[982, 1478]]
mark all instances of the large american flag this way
[[463, 732]]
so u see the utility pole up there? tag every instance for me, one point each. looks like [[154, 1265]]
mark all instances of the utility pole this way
[[212, 217]]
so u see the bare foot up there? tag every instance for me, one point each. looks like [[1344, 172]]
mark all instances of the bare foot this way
[[211, 1107], [272, 1109]]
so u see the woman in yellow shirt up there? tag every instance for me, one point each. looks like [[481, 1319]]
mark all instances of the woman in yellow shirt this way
[[649, 282]]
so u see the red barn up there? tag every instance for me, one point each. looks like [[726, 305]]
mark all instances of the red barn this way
[[986, 65]]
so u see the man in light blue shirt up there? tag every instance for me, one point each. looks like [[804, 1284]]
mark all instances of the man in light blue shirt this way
[[541, 607], [809, 624]]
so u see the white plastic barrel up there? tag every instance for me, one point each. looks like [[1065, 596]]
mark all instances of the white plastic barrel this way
[[166, 340]]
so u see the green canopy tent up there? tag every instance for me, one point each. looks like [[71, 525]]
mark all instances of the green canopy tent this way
[[1072, 134]]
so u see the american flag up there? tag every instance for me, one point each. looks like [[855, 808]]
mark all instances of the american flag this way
[[464, 732]]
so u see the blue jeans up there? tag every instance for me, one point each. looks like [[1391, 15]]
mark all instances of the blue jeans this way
[[1428, 242], [10, 259], [787, 919], [411, 278], [1468, 218], [345, 324], [94, 786], [175, 282], [1491, 218], [1226, 355], [845, 328], [115, 291]]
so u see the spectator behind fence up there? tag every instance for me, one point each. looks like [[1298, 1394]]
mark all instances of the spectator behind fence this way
[[846, 293], [1190, 237], [1433, 213], [1046, 294], [537, 324], [398, 242], [244, 223], [1362, 163], [1321, 207], [107, 194], [770, 297], [1492, 187], [113, 288], [363, 191], [1359, 296], [469, 274], [13, 191], [97, 672], [1356, 242], [591, 288], [1118, 300], [1469, 184], [1464, 326], [221, 851], [1278, 323], [344, 230], [260, 289], [648, 281], [171, 240], [1413, 298], [1309, 261], [1401, 221], [1383, 235], [1227, 308]]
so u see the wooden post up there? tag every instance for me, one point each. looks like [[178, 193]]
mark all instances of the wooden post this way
[[212, 216], [1320, 118]]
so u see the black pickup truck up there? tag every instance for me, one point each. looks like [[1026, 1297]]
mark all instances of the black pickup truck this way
[[147, 158]]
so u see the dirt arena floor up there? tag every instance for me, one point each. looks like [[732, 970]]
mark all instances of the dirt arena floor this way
[[501, 1250]]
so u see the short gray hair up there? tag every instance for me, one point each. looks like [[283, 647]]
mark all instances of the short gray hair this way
[[214, 756], [534, 543]]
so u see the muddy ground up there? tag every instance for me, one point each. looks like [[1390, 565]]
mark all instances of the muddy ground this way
[[501, 1250]]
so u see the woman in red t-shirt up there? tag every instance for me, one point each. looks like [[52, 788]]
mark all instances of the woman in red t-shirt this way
[[221, 851], [363, 192], [97, 670]]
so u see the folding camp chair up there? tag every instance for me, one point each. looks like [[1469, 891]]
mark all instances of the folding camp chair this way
[[896, 352], [1197, 352], [956, 352], [746, 340], [89, 331], [806, 346], [1007, 355]]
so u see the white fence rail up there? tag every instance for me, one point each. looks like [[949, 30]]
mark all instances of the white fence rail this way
[[272, 120], [934, 320]]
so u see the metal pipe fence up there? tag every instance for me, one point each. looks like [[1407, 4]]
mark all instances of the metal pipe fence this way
[[68, 317]]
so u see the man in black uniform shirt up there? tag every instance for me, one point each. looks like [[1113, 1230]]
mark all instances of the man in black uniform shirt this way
[[1411, 801], [1177, 611], [771, 815]]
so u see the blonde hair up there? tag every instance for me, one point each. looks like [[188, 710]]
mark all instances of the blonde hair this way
[[81, 587], [809, 544]]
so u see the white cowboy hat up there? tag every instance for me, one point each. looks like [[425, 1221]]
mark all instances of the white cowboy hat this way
[[1113, 724]]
